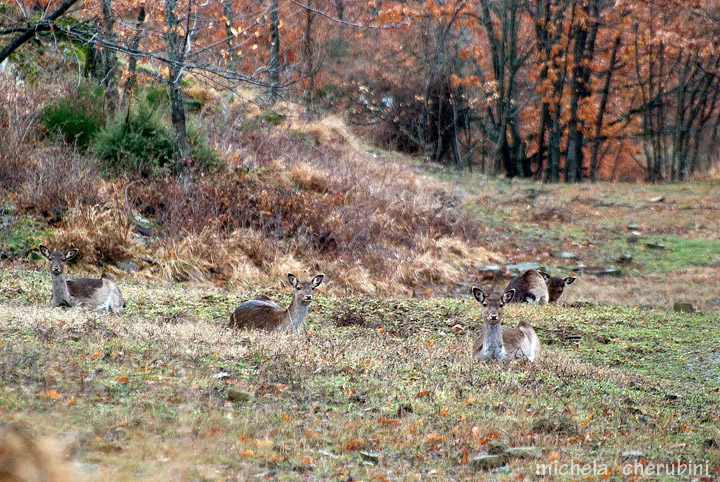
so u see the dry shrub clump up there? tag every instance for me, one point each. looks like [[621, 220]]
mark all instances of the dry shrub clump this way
[[58, 179], [310, 201], [17, 116], [100, 232]]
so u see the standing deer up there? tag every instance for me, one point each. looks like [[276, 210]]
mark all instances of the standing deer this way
[[497, 342], [264, 314], [89, 293]]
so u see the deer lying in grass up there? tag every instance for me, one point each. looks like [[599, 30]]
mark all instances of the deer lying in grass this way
[[556, 285], [89, 293], [535, 286], [264, 314], [530, 287], [497, 342]]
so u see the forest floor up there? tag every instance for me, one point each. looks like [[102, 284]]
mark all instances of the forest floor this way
[[385, 388]]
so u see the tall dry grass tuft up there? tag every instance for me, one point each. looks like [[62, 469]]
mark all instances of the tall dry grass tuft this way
[[58, 179], [17, 117], [101, 233]]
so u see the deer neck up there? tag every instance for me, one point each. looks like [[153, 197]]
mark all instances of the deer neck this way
[[494, 341], [61, 295], [296, 314]]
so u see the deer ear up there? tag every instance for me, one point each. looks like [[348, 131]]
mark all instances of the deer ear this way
[[293, 280], [71, 254], [508, 296], [44, 251], [317, 280], [545, 276], [569, 280], [478, 294]]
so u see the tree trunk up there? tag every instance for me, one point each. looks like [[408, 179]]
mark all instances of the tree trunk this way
[[177, 107], [231, 41], [274, 64], [132, 62], [604, 94], [308, 51], [110, 63]]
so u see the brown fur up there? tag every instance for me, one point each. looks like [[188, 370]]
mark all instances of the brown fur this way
[[261, 313], [497, 342], [556, 285], [529, 287], [24, 459], [89, 293]]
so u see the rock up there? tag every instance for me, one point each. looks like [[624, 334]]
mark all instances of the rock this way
[[128, 266], [672, 396], [657, 199], [497, 447], [221, 375], [524, 453], [634, 237], [555, 424], [372, 457], [710, 443], [681, 307], [239, 395], [633, 227], [597, 271], [487, 462], [632, 454], [563, 255], [658, 246], [625, 259], [520, 268]]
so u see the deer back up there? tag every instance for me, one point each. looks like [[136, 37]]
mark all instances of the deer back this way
[[94, 293], [530, 287], [259, 314]]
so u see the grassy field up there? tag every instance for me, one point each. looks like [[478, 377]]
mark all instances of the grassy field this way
[[386, 389]]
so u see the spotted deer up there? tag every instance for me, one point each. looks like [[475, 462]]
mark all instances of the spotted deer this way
[[88, 293], [263, 314], [497, 342]]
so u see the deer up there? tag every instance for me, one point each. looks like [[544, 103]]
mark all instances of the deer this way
[[530, 287], [262, 313], [556, 285], [535, 286], [88, 293], [497, 342]]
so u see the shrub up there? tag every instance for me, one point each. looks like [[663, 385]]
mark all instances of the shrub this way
[[138, 146], [77, 117], [142, 145]]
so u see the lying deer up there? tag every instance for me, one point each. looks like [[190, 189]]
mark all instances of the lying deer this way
[[264, 314], [530, 287], [556, 285], [535, 286], [89, 293], [497, 342]]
